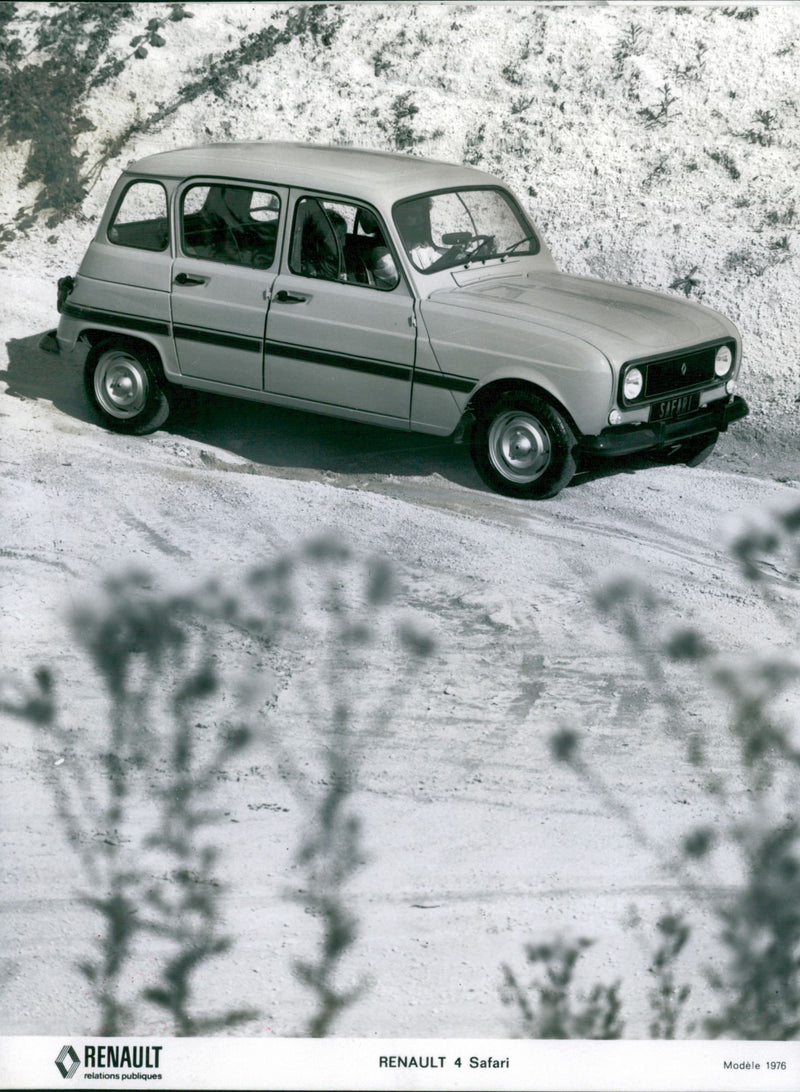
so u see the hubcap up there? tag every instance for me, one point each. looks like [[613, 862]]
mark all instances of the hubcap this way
[[519, 446], [120, 384]]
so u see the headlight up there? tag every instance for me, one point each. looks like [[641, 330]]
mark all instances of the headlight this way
[[632, 384], [723, 361]]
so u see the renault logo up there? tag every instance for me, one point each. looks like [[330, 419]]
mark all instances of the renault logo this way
[[67, 1062], [684, 367]]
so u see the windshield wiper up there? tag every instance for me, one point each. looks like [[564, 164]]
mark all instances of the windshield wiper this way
[[511, 249], [475, 255]]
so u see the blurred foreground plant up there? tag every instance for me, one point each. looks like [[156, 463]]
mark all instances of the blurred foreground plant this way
[[743, 868], [138, 806], [548, 1007], [339, 607]]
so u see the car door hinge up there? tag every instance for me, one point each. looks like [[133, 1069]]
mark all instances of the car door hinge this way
[[412, 321]]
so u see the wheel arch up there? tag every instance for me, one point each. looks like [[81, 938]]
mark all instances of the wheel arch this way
[[96, 336], [123, 381], [496, 388]]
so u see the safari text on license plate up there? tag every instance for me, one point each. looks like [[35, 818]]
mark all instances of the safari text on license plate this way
[[674, 407]]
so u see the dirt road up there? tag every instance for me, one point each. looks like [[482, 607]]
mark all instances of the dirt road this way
[[477, 842]]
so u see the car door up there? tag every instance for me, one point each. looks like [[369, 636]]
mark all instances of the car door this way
[[341, 332], [222, 277]]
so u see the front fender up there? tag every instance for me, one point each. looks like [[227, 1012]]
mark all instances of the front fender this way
[[493, 349], [587, 407]]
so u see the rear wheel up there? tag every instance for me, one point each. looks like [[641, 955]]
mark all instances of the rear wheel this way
[[122, 384], [523, 447]]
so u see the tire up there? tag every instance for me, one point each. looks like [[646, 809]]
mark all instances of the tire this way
[[523, 447], [123, 387], [692, 452]]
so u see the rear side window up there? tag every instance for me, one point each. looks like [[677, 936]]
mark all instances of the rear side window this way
[[141, 218], [234, 224]]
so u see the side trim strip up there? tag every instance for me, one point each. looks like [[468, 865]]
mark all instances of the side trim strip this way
[[445, 380], [402, 372], [339, 360], [112, 318], [217, 337]]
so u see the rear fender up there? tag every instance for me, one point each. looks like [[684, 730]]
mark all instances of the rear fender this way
[[92, 312]]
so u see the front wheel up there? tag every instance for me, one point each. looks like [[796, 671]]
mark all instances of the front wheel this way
[[122, 385], [523, 447]]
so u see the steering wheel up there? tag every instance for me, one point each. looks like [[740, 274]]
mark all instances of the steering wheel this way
[[462, 251], [479, 241]]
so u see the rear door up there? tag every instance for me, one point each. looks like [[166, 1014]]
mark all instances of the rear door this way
[[341, 332], [222, 278]]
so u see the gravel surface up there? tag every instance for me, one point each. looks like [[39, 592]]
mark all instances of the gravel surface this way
[[477, 842]]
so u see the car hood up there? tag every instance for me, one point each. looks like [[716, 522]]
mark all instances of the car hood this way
[[620, 321]]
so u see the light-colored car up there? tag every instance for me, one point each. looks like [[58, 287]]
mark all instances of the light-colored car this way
[[390, 290]]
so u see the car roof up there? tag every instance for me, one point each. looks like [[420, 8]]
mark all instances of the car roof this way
[[379, 177]]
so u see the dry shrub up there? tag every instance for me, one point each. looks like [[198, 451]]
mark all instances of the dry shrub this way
[[137, 804], [754, 799]]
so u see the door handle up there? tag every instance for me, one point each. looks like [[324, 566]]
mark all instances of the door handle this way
[[189, 278], [290, 297]]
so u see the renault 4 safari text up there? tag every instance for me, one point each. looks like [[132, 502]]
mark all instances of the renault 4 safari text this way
[[390, 290]]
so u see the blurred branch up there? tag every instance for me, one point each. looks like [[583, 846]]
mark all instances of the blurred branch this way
[[139, 809]]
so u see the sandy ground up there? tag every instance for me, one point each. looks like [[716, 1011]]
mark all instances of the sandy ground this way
[[477, 843]]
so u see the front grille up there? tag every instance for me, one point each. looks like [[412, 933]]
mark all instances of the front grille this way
[[679, 372], [665, 376]]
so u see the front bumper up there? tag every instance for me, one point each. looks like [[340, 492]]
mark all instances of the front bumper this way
[[628, 439]]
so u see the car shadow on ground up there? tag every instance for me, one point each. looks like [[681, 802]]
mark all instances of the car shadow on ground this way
[[33, 374], [272, 436]]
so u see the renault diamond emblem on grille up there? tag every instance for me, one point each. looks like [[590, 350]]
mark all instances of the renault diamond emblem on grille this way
[[683, 367], [67, 1062]]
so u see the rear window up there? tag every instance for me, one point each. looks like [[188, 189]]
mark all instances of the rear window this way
[[140, 219]]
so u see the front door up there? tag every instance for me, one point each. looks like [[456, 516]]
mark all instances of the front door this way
[[341, 332], [222, 279]]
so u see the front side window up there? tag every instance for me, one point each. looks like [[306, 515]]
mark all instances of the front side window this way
[[443, 230], [237, 225], [340, 241], [141, 219]]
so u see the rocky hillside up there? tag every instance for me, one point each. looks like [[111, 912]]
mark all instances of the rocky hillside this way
[[653, 144]]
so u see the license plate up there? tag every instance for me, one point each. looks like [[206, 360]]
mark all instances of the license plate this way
[[674, 407]]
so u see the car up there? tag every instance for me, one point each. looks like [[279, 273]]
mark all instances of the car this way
[[387, 289]]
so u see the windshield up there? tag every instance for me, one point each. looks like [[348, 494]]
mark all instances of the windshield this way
[[442, 230]]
